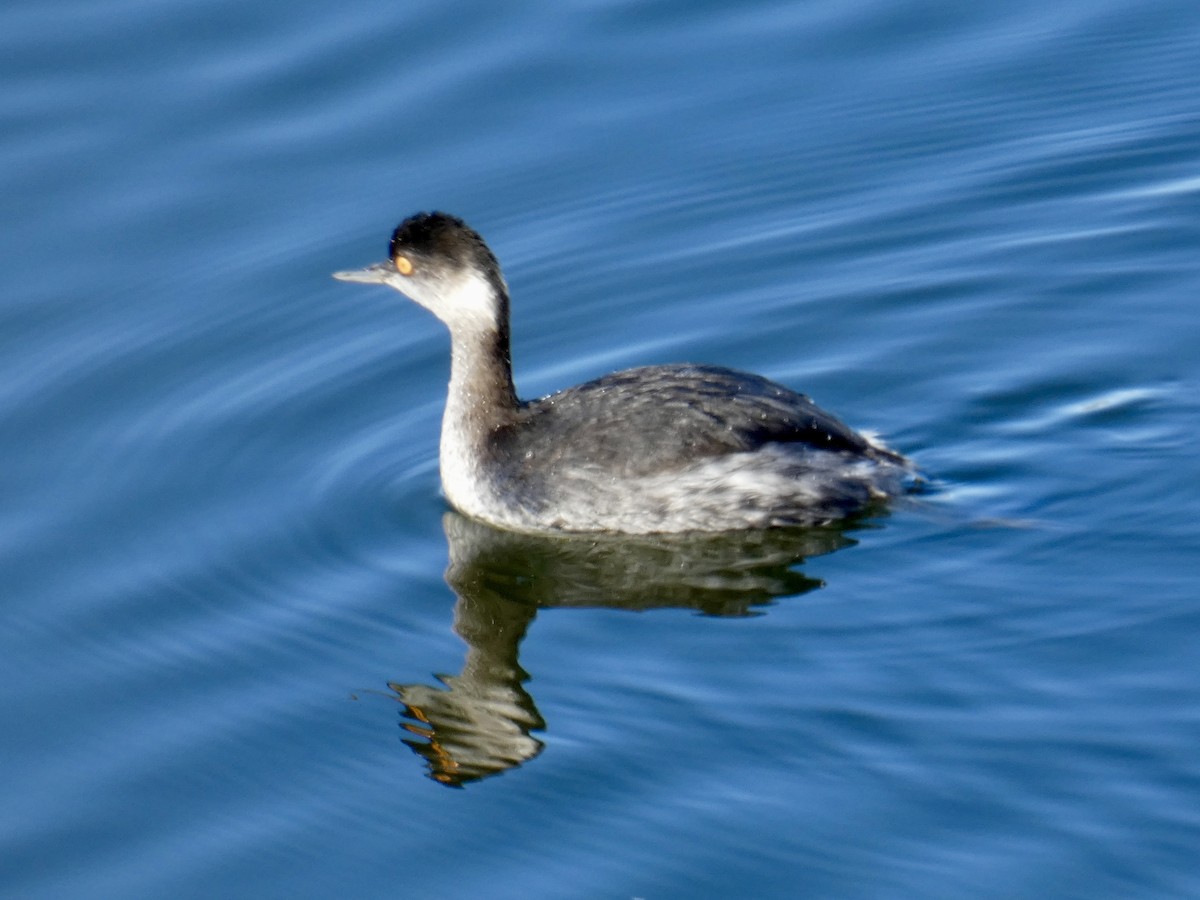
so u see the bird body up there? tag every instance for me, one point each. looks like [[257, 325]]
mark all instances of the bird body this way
[[655, 449]]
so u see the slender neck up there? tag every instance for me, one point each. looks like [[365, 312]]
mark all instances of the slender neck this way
[[481, 397], [481, 400]]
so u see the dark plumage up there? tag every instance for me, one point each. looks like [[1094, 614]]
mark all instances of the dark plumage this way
[[654, 419], [654, 449]]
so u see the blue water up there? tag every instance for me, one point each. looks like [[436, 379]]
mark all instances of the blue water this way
[[247, 653]]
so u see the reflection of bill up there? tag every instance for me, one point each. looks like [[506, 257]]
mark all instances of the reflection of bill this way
[[480, 722]]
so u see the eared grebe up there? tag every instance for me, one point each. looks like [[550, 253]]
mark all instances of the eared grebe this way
[[655, 449]]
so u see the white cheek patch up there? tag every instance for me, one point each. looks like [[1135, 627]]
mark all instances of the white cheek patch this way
[[473, 302], [465, 302]]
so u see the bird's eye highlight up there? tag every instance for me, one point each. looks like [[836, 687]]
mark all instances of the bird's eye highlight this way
[[403, 265]]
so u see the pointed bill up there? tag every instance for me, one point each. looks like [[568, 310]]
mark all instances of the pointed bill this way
[[376, 274]]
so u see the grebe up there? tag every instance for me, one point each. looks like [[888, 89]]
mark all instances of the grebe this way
[[656, 449]]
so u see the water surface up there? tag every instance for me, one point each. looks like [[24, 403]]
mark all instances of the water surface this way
[[248, 653]]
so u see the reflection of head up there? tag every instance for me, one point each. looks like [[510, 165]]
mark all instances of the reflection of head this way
[[479, 724], [469, 734]]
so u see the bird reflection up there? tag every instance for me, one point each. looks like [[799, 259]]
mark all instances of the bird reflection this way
[[478, 723]]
